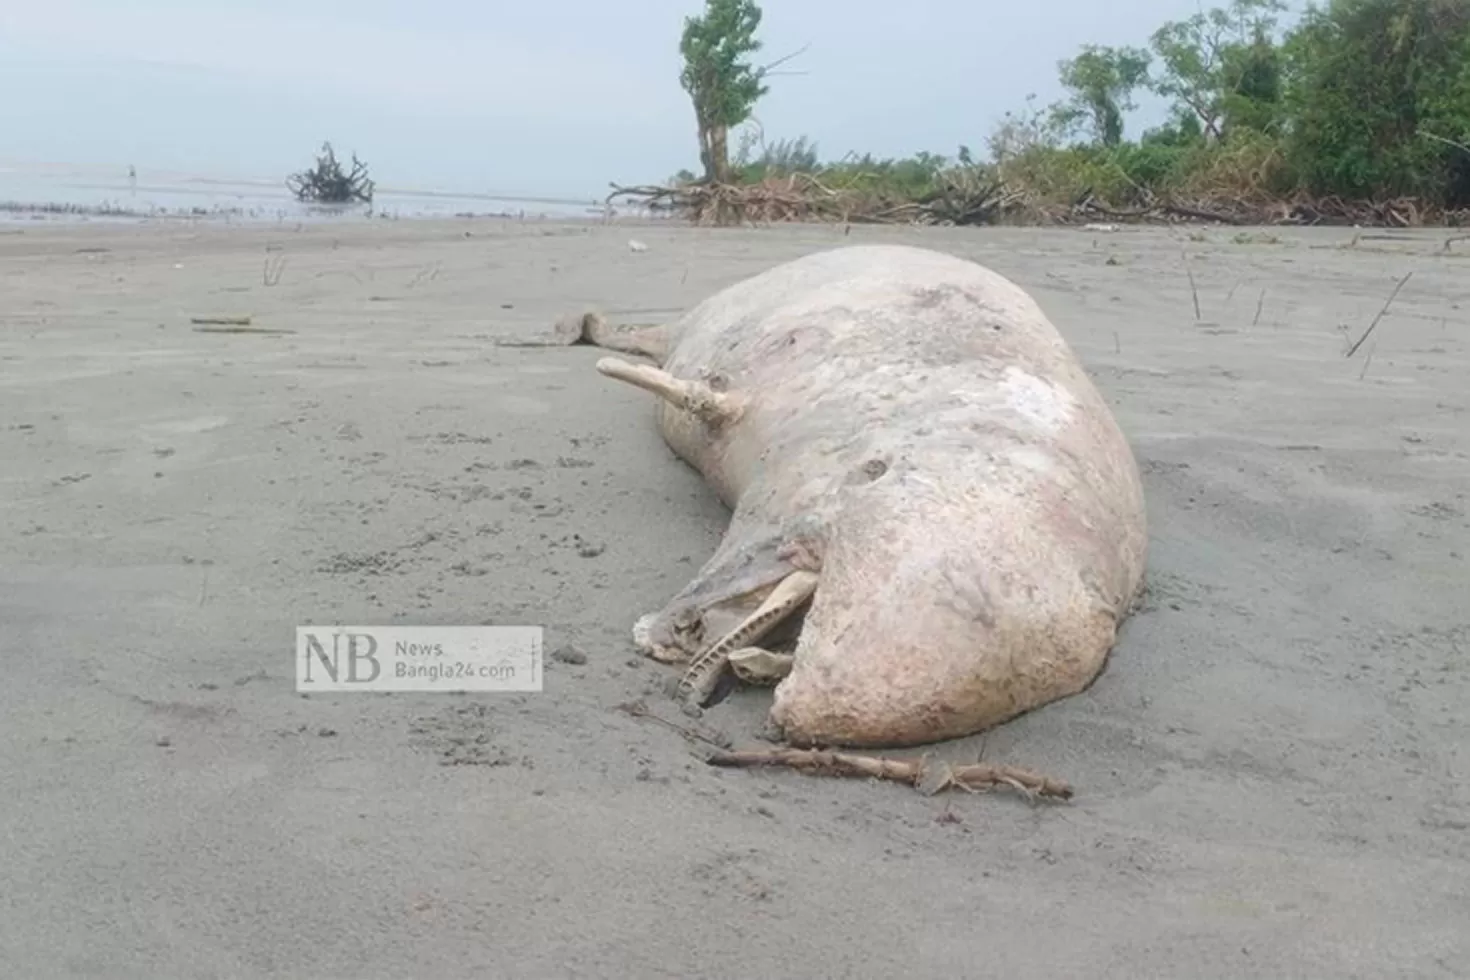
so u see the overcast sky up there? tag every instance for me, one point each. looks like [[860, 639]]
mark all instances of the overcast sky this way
[[551, 97]]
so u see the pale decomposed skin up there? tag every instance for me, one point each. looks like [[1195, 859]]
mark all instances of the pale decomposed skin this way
[[909, 429]]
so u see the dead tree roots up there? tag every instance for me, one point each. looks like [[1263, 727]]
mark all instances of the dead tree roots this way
[[806, 198], [973, 197], [1300, 209], [329, 183]]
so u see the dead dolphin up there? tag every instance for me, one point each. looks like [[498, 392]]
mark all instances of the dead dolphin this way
[[933, 509]]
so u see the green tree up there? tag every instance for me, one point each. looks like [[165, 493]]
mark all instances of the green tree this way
[[1211, 63], [1369, 80], [1101, 82], [722, 83], [1253, 77], [755, 159]]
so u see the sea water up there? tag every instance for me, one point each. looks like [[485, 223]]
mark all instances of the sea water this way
[[50, 192]]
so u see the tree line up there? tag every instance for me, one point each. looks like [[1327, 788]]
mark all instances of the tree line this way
[[1360, 102]]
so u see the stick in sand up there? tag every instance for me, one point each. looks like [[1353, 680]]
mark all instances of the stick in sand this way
[[223, 321], [637, 709], [1193, 289], [1354, 349], [928, 776], [268, 330]]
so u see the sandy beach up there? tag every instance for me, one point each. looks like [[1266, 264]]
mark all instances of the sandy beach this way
[[1272, 775]]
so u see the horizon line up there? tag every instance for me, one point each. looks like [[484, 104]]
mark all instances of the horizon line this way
[[219, 178]]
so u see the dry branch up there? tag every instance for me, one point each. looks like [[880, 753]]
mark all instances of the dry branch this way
[[974, 196], [1381, 313], [1259, 208], [261, 330], [1193, 289], [928, 776], [637, 709], [328, 183], [804, 197], [223, 321]]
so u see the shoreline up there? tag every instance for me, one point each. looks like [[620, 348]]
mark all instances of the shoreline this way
[[76, 224], [70, 194], [64, 213]]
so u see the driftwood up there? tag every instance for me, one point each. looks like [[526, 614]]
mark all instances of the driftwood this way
[[928, 776], [1301, 209], [221, 321], [637, 709], [961, 199], [328, 183], [970, 196], [259, 330], [1089, 207]]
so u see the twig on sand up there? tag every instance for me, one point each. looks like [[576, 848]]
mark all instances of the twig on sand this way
[[231, 329], [1193, 289], [637, 709], [928, 776], [1391, 296], [534, 342], [231, 321], [1259, 303]]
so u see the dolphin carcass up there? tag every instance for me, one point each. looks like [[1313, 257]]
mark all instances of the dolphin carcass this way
[[937, 523]]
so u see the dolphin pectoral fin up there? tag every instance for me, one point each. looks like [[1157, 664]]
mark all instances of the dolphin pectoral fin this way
[[710, 406], [760, 667], [705, 671]]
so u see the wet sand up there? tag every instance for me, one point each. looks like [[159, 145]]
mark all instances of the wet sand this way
[[1271, 774]]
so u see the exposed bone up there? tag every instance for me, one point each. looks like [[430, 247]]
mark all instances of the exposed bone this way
[[699, 680], [710, 406], [761, 667], [643, 640]]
